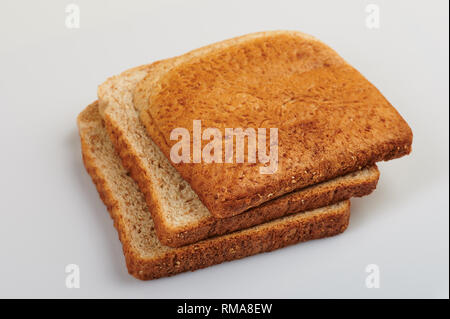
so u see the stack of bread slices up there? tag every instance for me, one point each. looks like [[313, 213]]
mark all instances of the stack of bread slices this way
[[173, 216]]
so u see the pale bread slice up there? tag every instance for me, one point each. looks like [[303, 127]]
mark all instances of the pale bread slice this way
[[146, 257], [330, 119], [180, 217]]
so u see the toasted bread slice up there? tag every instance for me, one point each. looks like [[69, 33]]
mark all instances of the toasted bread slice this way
[[145, 256], [330, 119], [180, 217]]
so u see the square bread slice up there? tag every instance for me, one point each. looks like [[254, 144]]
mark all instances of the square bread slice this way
[[180, 217], [146, 257], [330, 119]]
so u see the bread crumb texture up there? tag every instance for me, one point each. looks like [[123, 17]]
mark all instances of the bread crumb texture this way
[[146, 257]]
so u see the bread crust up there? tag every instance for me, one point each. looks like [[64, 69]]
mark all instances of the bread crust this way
[[167, 261], [333, 120], [312, 197], [119, 114]]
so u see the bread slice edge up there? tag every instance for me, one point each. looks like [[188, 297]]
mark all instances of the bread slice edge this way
[[150, 259], [356, 184], [117, 104]]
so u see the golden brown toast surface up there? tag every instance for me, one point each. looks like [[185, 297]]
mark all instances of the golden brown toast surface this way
[[330, 119]]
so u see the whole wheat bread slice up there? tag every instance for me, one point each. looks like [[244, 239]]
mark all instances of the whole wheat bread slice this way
[[330, 119], [180, 217], [146, 257]]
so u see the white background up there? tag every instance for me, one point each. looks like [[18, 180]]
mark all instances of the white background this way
[[51, 215]]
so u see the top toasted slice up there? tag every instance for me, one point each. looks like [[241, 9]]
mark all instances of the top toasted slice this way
[[330, 119]]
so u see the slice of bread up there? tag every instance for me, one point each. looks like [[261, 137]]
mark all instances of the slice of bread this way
[[145, 256], [180, 217], [330, 119]]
